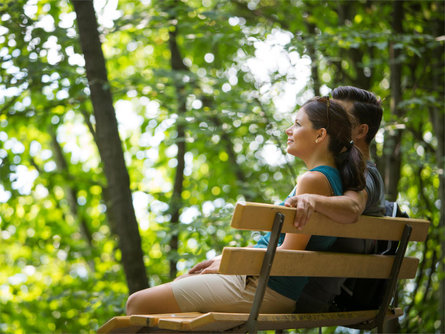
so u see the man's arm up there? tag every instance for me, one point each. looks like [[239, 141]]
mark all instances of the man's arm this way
[[343, 209]]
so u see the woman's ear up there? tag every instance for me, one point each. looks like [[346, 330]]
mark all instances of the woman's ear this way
[[321, 135]]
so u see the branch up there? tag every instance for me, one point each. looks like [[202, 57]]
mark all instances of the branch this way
[[90, 126], [423, 263], [256, 13], [419, 138], [419, 276], [9, 104]]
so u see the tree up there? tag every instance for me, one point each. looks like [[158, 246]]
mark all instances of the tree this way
[[393, 141], [120, 205], [175, 204]]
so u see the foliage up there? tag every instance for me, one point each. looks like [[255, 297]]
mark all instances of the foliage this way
[[60, 263]]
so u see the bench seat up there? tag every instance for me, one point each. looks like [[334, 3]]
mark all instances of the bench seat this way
[[217, 321]]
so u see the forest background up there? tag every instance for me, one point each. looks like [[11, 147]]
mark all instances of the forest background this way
[[128, 131]]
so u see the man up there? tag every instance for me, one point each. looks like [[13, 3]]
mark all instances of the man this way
[[366, 113]]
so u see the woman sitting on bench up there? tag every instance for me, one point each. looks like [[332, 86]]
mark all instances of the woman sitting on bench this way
[[321, 137]]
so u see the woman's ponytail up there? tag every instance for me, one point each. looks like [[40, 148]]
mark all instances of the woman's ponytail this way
[[351, 166]]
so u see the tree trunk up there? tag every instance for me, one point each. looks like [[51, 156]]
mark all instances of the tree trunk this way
[[120, 205], [393, 137], [176, 200], [312, 53], [441, 163], [346, 11], [71, 195], [71, 192], [393, 141], [438, 120]]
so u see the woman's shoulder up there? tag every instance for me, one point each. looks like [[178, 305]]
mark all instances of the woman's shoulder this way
[[331, 176], [312, 179]]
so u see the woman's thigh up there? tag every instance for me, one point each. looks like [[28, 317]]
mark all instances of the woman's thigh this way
[[225, 293]]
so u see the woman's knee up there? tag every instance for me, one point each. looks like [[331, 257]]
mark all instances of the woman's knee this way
[[159, 299], [134, 303]]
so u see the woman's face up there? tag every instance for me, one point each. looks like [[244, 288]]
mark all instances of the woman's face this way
[[301, 136]]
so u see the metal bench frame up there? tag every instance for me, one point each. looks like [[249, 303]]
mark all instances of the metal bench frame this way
[[251, 325]]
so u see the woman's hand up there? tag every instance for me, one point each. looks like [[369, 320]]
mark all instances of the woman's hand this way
[[207, 267]]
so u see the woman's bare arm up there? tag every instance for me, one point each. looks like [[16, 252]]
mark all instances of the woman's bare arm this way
[[309, 183]]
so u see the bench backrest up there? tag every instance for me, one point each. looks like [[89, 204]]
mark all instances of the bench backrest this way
[[259, 217], [256, 216]]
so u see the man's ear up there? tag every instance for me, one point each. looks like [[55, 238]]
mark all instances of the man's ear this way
[[361, 131]]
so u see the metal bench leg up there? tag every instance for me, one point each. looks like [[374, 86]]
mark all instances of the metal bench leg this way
[[392, 281], [265, 273]]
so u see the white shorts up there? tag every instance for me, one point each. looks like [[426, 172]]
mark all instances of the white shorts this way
[[226, 293]]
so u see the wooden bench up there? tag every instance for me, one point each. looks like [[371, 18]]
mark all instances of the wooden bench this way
[[264, 262]]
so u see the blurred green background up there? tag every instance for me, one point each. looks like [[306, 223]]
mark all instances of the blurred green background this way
[[202, 92]]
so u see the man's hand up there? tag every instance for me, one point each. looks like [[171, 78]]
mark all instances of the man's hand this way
[[207, 267], [305, 205]]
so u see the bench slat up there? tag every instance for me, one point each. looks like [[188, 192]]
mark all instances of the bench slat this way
[[215, 321], [120, 324], [153, 320], [247, 261], [259, 217]]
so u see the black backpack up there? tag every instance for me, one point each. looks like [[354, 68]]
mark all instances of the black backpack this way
[[363, 293]]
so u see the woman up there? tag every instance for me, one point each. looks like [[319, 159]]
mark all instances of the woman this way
[[321, 137]]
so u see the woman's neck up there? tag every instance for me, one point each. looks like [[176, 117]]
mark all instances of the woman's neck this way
[[326, 160]]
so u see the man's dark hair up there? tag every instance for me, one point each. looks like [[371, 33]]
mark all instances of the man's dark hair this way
[[367, 107]]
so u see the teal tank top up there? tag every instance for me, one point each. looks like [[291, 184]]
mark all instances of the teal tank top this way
[[291, 286]]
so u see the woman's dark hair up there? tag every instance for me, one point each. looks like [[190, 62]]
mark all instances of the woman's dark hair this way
[[325, 113]]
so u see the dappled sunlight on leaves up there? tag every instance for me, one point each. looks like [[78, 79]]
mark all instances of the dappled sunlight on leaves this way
[[248, 67]]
